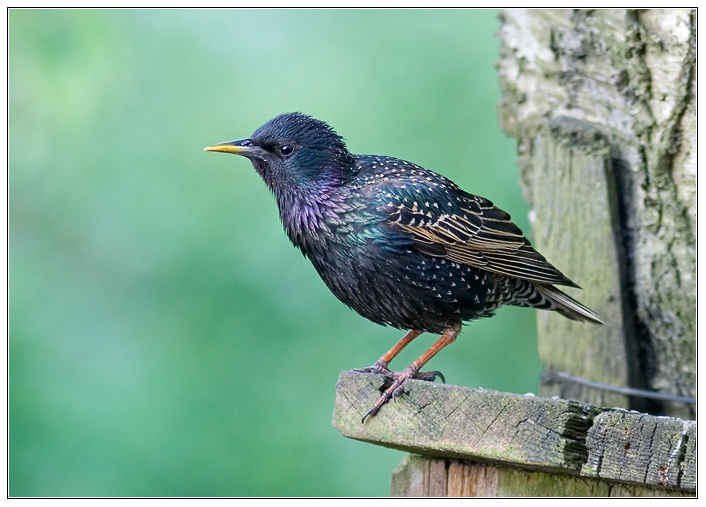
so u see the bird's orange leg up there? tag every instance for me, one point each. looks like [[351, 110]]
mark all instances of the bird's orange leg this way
[[381, 365], [412, 370]]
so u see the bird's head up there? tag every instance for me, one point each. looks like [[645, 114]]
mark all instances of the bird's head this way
[[294, 152]]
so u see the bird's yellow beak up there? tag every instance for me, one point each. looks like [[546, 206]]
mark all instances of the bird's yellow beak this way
[[243, 147], [229, 147]]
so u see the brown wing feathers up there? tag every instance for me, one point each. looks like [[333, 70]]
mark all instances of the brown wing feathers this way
[[481, 235]]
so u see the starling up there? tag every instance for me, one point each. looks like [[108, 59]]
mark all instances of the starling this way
[[401, 245]]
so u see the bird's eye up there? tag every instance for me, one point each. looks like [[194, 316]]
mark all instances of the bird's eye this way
[[286, 149]]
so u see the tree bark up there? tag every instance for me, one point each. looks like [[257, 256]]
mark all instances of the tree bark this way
[[602, 103]]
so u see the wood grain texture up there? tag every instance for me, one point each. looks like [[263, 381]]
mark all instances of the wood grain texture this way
[[453, 421], [419, 476], [639, 448], [558, 437], [629, 76], [573, 179]]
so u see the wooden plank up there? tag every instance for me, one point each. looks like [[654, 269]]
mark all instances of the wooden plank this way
[[471, 479], [452, 421], [572, 185], [635, 447], [420, 476], [511, 430], [424, 478]]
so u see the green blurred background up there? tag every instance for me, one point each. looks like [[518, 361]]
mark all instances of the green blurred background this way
[[165, 339]]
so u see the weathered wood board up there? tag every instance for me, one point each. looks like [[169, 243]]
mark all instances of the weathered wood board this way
[[548, 435]]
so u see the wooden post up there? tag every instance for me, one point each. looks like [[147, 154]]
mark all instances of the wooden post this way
[[602, 103], [478, 442]]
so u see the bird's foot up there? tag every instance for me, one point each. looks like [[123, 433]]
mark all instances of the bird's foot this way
[[391, 392], [382, 369], [398, 381]]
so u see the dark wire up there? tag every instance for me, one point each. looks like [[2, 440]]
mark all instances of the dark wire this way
[[629, 391]]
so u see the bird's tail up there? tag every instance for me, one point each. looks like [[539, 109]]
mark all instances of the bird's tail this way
[[566, 305]]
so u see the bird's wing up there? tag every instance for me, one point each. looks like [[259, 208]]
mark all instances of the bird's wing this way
[[469, 229]]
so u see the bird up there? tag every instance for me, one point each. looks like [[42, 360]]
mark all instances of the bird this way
[[401, 245]]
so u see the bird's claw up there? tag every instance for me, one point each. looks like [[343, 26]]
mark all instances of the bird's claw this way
[[397, 387], [377, 368], [429, 376], [390, 393]]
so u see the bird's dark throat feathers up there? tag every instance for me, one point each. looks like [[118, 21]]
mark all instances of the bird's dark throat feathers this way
[[307, 210]]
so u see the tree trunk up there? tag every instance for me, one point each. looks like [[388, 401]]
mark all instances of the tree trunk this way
[[602, 103]]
